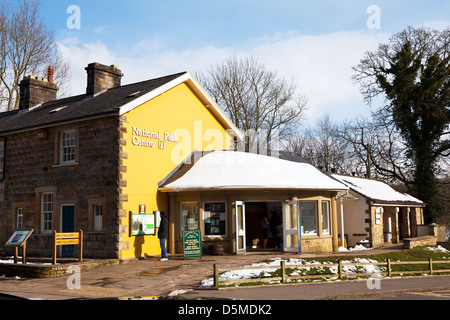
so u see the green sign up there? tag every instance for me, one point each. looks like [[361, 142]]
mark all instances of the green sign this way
[[192, 244]]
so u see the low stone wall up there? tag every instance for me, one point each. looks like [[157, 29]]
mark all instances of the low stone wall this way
[[31, 270], [409, 243]]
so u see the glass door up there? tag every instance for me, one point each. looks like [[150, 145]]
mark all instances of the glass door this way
[[291, 227], [239, 209]]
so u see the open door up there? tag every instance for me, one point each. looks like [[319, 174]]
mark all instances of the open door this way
[[291, 227], [239, 209]]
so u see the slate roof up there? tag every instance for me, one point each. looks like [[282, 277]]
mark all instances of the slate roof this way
[[79, 107]]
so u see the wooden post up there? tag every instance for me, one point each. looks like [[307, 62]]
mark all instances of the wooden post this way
[[389, 267], [283, 271], [24, 253], [80, 246], [216, 276], [16, 254], [340, 269], [431, 265], [54, 248]]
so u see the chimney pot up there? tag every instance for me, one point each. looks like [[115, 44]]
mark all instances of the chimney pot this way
[[50, 74]]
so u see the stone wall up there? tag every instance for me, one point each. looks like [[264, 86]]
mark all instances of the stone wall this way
[[32, 167]]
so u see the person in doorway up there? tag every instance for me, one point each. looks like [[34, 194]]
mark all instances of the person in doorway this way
[[163, 234], [265, 230], [276, 229]]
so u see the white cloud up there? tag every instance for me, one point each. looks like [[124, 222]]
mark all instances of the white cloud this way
[[320, 65]]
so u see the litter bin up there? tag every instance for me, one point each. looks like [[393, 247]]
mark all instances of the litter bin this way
[[388, 237]]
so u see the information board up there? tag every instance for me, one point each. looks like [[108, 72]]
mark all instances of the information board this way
[[192, 244], [143, 224], [19, 238]]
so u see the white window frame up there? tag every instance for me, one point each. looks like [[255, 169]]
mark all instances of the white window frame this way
[[19, 218], [325, 216], [98, 217], [68, 147], [47, 213]]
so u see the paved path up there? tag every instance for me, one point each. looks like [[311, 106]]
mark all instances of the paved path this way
[[151, 277]]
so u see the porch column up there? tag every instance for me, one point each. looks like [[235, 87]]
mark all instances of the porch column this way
[[334, 224]]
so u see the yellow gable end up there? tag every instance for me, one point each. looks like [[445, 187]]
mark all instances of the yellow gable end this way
[[156, 137]]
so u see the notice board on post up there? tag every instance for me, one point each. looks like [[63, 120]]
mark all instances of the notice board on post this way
[[192, 244]]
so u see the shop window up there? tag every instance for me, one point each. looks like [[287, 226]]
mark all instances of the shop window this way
[[326, 217], [68, 147], [19, 218], [47, 213], [189, 216], [214, 218], [308, 211]]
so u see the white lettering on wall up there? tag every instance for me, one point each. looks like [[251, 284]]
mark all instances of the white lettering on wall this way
[[143, 138]]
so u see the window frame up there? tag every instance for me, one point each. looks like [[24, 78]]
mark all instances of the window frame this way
[[45, 213], [184, 225], [72, 156], [220, 234], [325, 204], [316, 218]]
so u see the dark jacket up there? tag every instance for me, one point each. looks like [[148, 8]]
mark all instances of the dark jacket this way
[[163, 230]]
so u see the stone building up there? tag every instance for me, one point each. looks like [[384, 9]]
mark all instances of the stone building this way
[[89, 161]]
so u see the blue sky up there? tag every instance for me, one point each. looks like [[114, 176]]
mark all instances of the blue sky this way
[[314, 42]]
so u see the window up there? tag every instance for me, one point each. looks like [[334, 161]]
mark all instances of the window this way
[[189, 216], [308, 211], [98, 217], [326, 217], [68, 147], [47, 212], [214, 218], [19, 218]]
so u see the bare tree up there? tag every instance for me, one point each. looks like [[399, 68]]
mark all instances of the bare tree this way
[[27, 47], [255, 98]]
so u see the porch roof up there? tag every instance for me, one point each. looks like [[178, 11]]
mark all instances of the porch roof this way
[[241, 170], [377, 191]]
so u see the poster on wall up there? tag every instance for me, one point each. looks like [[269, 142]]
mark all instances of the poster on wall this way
[[143, 224]]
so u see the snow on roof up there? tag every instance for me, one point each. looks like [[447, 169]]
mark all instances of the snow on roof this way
[[242, 170], [376, 190]]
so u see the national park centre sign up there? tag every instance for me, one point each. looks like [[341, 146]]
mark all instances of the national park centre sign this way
[[152, 139]]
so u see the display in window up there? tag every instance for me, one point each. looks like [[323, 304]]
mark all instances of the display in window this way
[[214, 216]]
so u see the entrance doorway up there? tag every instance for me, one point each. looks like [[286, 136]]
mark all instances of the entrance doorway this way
[[263, 225], [67, 225]]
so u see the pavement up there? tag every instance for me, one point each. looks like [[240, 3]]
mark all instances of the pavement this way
[[150, 277]]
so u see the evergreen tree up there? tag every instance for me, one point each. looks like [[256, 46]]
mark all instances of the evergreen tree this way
[[413, 73]]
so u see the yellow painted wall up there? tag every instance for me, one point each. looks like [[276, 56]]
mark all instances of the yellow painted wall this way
[[177, 112]]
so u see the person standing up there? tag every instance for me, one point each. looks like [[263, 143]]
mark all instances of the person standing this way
[[163, 234]]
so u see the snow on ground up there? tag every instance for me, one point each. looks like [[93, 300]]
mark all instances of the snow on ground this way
[[273, 265]]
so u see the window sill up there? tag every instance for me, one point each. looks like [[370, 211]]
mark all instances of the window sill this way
[[66, 164]]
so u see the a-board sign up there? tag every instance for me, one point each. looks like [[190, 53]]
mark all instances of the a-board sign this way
[[19, 238], [192, 244], [143, 224]]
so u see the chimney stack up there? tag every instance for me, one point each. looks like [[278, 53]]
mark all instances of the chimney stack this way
[[101, 77], [34, 90]]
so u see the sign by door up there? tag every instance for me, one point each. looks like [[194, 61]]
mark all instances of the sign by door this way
[[192, 244]]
